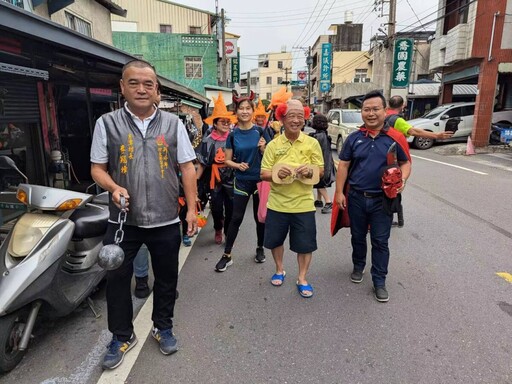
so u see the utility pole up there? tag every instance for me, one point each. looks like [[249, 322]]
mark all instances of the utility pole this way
[[392, 18], [391, 37], [248, 82], [309, 62], [286, 73], [224, 66]]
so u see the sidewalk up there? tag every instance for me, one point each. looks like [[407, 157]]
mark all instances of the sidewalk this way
[[460, 149]]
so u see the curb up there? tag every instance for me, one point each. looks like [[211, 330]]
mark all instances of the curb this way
[[460, 149]]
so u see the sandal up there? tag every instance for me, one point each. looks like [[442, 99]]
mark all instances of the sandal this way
[[303, 288], [277, 279]]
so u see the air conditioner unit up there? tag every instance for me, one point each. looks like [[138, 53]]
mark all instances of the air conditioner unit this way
[[357, 80]]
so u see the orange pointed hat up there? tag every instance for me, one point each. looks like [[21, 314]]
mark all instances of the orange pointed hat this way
[[219, 111], [280, 97], [260, 110]]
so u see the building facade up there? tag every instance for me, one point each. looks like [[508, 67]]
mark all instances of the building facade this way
[[473, 45], [273, 72], [349, 65], [381, 60], [178, 40], [54, 83]]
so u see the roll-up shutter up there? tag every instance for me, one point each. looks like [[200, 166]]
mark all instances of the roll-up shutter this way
[[18, 100]]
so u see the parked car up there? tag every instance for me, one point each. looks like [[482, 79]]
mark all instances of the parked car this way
[[342, 122], [436, 119]]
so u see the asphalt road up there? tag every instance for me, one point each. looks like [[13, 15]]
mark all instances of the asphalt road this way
[[448, 319]]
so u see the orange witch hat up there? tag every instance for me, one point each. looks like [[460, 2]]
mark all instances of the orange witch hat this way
[[219, 111], [260, 110], [280, 97]]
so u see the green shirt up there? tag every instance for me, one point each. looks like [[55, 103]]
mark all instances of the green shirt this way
[[402, 126]]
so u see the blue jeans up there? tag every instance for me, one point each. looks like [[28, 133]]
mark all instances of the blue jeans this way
[[141, 262], [364, 212]]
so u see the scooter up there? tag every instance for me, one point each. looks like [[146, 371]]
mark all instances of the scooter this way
[[48, 261]]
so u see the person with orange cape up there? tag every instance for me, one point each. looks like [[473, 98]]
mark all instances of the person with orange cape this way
[[363, 164], [211, 157]]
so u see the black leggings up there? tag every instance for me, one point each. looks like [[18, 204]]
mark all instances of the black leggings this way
[[239, 207], [221, 205]]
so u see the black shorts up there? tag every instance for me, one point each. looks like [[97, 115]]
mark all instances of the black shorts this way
[[301, 226]]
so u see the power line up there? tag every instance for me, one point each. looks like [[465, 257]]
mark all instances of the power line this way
[[312, 33]]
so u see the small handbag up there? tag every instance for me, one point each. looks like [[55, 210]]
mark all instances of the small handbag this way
[[201, 218]]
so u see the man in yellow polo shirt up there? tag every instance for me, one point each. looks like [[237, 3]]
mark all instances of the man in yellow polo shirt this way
[[290, 207]]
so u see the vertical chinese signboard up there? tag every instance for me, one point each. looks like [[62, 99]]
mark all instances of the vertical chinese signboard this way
[[325, 68], [402, 61], [235, 69]]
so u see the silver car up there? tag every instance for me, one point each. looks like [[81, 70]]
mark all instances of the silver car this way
[[342, 122]]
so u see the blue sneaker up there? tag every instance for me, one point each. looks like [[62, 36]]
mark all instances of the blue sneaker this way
[[166, 339], [116, 351], [186, 241]]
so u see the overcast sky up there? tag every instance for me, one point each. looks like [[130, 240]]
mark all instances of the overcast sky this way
[[269, 25]]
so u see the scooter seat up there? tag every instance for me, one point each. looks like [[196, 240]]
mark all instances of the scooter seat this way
[[101, 199], [90, 222]]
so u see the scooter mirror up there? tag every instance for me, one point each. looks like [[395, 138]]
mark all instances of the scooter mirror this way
[[111, 257], [7, 163]]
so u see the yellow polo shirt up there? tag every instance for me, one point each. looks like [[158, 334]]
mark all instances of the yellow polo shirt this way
[[295, 197]]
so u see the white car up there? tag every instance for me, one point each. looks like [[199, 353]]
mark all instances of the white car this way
[[342, 122], [436, 119]]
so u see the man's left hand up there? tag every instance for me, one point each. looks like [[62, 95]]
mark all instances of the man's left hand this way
[[192, 222], [304, 171], [444, 135]]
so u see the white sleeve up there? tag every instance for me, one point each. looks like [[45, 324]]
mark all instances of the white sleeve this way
[[186, 152], [99, 153]]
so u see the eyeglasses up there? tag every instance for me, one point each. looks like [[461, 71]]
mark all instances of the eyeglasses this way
[[370, 110], [224, 122]]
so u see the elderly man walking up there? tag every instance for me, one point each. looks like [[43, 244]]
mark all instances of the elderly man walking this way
[[293, 162], [363, 160]]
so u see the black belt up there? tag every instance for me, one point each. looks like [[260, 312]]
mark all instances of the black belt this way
[[369, 195]]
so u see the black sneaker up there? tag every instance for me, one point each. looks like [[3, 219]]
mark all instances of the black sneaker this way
[[166, 340], [116, 351], [381, 294], [356, 276], [224, 262], [327, 208], [260, 255], [141, 287], [319, 204]]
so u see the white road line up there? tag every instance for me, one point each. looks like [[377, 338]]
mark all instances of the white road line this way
[[142, 325], [450, 165]]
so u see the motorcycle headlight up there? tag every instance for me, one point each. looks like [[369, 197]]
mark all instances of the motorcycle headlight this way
[[28, 231]]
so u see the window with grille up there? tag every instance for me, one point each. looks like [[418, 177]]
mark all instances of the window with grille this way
[[361, 73], [165, 28], [193, 67], [269, 80], [78, 24], [195, 30], [280, 64]]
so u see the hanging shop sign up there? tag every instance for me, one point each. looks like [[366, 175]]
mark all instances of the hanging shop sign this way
[[325, 68], [402, 60], [235, 69]]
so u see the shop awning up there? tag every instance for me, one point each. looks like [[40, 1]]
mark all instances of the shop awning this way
[[68, 55]]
